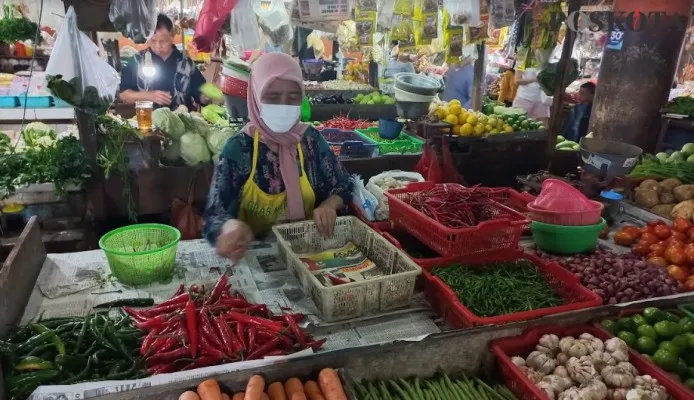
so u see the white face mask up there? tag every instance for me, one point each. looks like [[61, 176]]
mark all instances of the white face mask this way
[[279, 118]]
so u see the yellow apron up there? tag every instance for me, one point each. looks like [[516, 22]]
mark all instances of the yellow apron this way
[[262, 210]]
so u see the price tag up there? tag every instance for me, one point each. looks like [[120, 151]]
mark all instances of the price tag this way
[[597, 161], [630, 162], [616, 39]]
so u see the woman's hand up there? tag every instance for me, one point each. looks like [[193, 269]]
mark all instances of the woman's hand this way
[[234, 239], [325, 217]]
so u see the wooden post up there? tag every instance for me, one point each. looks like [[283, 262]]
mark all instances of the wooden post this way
[[556, 116], [95, 192], [479, 78]]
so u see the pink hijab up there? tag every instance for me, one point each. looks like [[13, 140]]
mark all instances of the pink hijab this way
[[268, 68]]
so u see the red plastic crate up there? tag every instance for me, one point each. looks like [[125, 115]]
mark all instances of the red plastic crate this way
[[522, 345], [388, 234], [501, 232], [375, 225], [564, 283], [672, 379]]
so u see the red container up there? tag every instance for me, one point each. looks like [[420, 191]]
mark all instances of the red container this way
[[672, 380], [389, 234], [378, 226], [522, 345], [576, 218], [517, 201], [564, 283], [232, 86], [501, 232]]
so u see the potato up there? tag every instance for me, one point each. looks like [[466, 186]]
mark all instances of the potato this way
[[683, 192], [666, 197], [649, 184], [663, 210], [669, 184], [684, 209], [647, 198]]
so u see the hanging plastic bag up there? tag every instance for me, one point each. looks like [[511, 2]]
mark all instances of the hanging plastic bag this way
[[244, 27], [136, 19], [212, 17], [364, 200], [396, 179], [185, 217], [76, 74], [449, 171], [275, 23], [429, 165]]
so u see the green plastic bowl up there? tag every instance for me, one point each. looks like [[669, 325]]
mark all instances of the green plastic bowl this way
[[141, 254], [565, 239]]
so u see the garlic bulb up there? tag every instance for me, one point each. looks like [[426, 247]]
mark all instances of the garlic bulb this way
[[628, 367], [562, 359], [547, 388], [591, 342], [533, 375], [541, 362], [617, 394], [581, 371], [558, 383], [594, 390], [572, 347], [561, 371], [570, 394], [617, 377], [601, 359], [518, 361], [548, 344], [618, 349], [650, 386]]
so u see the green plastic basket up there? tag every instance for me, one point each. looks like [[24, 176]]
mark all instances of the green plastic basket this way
[[141, 254], [403, 144], [566, 239], [687, 309]]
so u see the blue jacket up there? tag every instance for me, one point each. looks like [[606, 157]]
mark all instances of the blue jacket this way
[[459, 85]]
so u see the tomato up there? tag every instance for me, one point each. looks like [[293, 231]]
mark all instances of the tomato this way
[[634, 231], [689, 285], [679, 236], [681, 225], [640, 249], [623, 238], [677, 272], [655, 222], [662, 232], [689, 255], [673, 243], [643, 230], [657, 262], [690, 235], [649, 238], [658, 249], [675, 255]]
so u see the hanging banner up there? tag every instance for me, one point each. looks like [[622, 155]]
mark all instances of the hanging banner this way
[[325, 10]]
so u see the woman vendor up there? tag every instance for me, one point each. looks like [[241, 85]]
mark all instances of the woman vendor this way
[[279, 169]]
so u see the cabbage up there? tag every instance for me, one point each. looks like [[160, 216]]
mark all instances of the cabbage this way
[[34, 130], [195, 125], [172, 151], [168, 122], [214, 114], [194, 149], [218, 138], [4, 142]]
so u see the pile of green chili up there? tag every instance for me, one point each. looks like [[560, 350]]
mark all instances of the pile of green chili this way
[[62, 351], [499, 288]]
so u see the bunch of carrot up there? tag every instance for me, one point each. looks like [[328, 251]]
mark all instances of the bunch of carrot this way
[[328, 387]]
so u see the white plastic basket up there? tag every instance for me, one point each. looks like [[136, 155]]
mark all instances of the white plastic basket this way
[[350, 300]]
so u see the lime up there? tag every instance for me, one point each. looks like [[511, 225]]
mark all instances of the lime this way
[[687, 324], [682, 369], [665, 359], [680, 341], [667, 329], [639, 320], [628, 337], [627, 324], [646, 345], [670, 347], [653, 315], [525, 124], [689, 383], [610, 326], [690, 340], [671, 317], [646, 330]]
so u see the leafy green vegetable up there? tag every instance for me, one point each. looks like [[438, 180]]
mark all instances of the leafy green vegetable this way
[[172, 151], [651, 167], [16, 28], [4, 143], [168, 122], [194, 149], [195, 124], [214, 114], [71, 92], [683, 105], [35, 130], [549, 76], [218, 138]]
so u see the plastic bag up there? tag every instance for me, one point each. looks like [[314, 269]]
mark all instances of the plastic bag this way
[[428, 164], [212, 17], [364, 200], [76, 74], [185, 217], [136, 19], [244, 30], [275, 23], [559, 196], [395, 179]]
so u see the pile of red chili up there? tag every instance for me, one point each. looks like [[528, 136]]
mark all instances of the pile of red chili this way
[[195, 329], [346, 123], [453, 205]]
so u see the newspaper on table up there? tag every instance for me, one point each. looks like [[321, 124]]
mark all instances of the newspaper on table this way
[[72, 284]]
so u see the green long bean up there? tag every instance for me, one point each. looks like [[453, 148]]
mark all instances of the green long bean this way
[[499, 288], [439, 388]]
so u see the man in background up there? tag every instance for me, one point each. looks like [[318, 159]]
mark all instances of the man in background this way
[[459, 80], [577, 126]]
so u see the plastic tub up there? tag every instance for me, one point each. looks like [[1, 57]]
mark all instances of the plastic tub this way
[[502, 231], [575, 218], [389, 129], [402, 95], [313, 66], [236, 73], [416, 83], [564, 283], [347, 144], [233, 86], [131, 257], [608, 157], [563, 239], [411, 109], [523, 344], [8, 101]]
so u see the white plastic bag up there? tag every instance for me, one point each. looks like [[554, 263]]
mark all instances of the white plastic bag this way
[[75, 72], [244, 31], [275, 22], [389, 180], [136, 19], [363, 199]]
